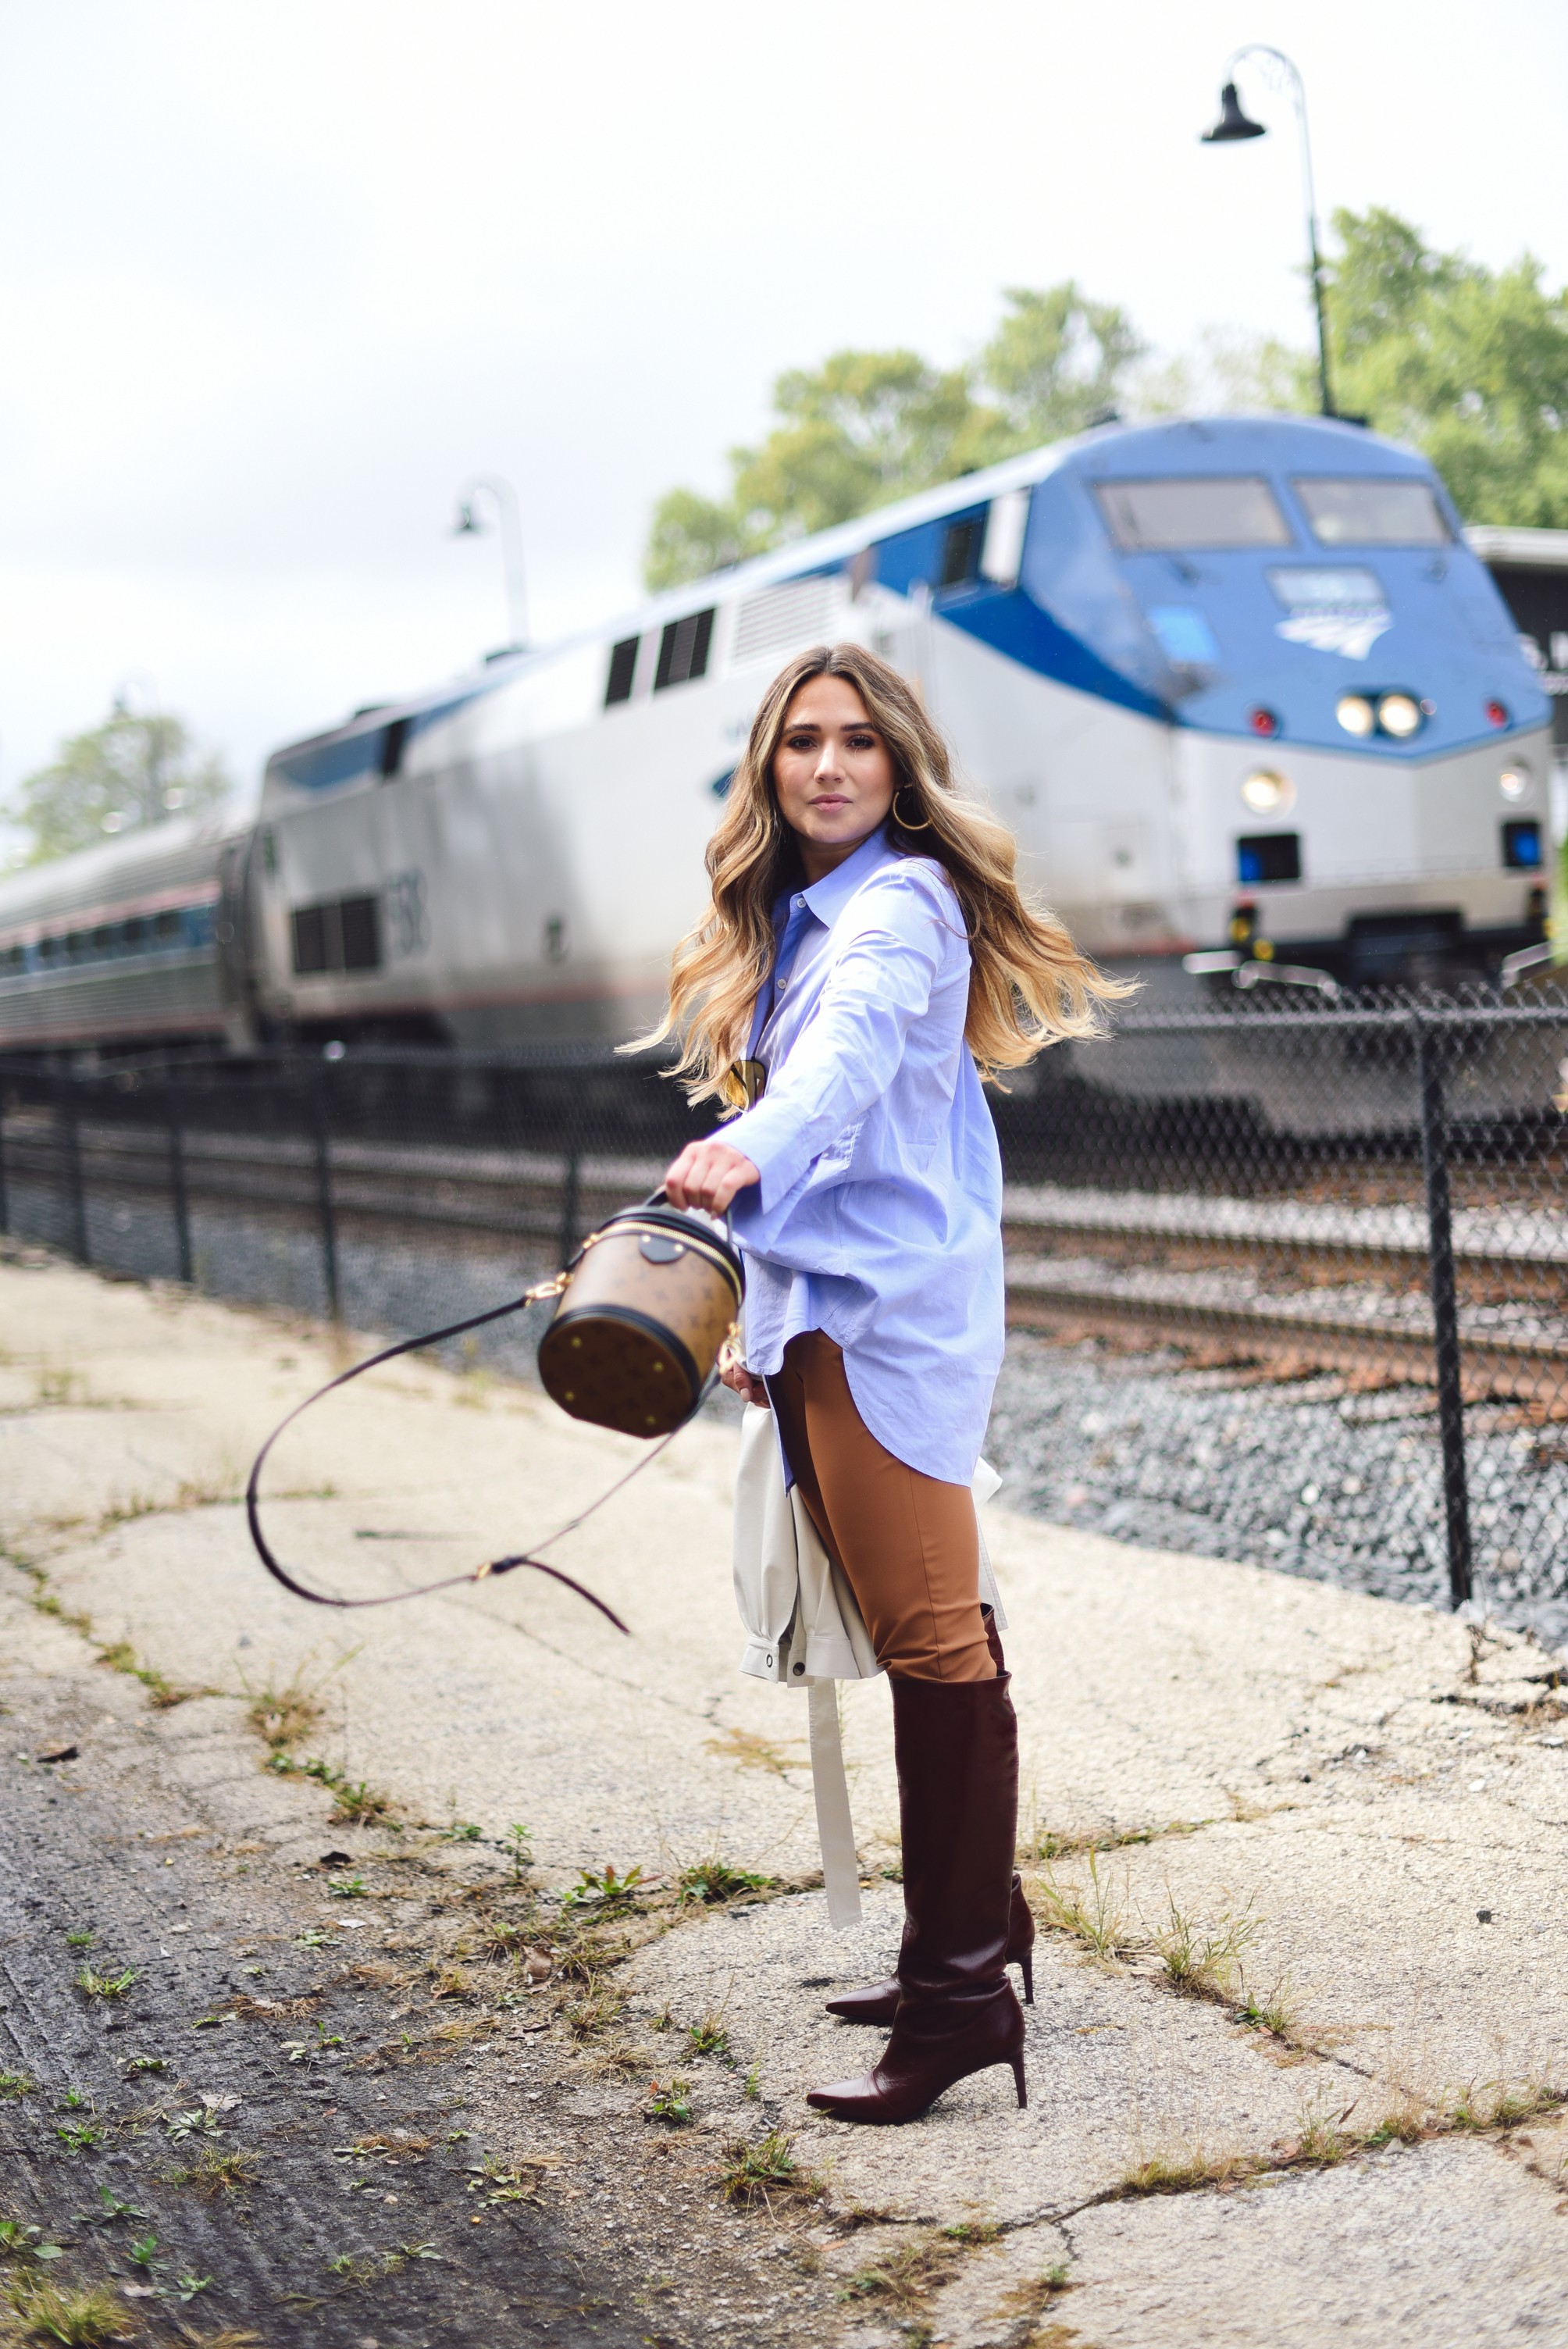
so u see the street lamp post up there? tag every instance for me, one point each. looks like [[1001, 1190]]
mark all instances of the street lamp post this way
[[1233, 125], [504, 496]]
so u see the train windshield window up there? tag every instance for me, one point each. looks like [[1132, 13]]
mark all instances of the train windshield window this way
[[1364, 513], [1225, 509], [682, 650]]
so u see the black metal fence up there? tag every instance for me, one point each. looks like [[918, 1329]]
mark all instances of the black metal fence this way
[[1360, 1200]]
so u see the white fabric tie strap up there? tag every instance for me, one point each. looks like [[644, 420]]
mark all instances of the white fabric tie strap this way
[[835, 1828]]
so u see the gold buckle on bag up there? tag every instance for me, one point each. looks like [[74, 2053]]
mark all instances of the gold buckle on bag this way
[[747, 1083]]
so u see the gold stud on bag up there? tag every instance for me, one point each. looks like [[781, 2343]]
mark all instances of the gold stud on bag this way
[[648, 1305]]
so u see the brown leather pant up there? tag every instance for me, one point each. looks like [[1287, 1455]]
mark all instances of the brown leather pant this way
[[908, 1544]]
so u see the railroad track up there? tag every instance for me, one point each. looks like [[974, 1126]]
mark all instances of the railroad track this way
[[1300, 1284]]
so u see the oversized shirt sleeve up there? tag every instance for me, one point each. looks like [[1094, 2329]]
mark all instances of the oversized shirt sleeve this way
[[849, 1052]]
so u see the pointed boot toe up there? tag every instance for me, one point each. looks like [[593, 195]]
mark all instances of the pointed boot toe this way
[[877, 2002], [850, 2100]]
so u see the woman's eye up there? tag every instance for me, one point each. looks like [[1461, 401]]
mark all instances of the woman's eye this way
[[861, 743]]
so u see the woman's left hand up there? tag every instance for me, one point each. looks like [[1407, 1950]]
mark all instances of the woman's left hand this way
[[708, 1174]]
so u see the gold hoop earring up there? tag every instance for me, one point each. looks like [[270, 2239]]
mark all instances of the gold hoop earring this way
[[902, 822]]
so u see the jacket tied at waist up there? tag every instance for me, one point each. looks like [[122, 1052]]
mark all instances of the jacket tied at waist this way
[[804, 1630]]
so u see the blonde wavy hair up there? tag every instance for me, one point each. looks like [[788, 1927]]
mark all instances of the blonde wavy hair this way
[[1029, 983]]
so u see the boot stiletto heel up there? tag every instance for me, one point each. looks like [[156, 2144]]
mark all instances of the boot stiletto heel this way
[[1018, 2082]]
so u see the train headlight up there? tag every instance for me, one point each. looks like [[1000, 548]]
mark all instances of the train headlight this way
[[1515, 781], [1355, 713], [1268, 793], [1400, 715]]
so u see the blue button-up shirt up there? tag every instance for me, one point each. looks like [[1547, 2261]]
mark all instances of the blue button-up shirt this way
[[878, 1217]]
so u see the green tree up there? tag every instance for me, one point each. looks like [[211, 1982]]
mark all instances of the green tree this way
[[1057, 362], [121, 776], [1469, 363], [867, 427]]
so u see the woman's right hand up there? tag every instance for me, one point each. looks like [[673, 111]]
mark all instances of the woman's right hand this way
[[708, 1173], [739, 1379]]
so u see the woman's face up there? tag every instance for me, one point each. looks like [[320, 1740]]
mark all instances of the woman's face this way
[[833, 773]]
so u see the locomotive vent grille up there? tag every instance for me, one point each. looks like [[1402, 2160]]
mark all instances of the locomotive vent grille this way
[[781, 618]]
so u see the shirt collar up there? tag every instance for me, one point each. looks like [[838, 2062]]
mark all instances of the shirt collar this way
[[828, 898]]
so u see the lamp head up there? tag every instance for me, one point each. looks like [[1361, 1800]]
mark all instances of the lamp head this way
[[1232, 123]]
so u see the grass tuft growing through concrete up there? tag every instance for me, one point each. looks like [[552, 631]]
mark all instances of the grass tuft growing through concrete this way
[[755, 2173]]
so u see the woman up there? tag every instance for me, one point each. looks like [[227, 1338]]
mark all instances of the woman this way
[[865, 948]]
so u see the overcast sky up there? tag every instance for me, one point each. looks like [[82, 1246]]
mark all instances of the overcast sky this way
[[279, 278]]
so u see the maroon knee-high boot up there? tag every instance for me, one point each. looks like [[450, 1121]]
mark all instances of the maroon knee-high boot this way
[[878, 2002], [955, 1743]]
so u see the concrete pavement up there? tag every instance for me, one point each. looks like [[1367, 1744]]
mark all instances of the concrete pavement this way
[[1301, 1800]]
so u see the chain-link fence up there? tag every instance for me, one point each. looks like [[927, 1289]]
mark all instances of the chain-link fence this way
[[1330, 1240]]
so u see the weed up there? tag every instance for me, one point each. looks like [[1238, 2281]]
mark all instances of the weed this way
[[1511, 2105], [1276, 2010], [201, 2121], [20, 2241], [16, 2083], [621, 2056], [112, 2208], [753, 2173], [1201, 1959], [189, 2285], [79, 1940], [360, 1806], [1032, 2299], [1091, 1911], [712, 1881], [462, 1831], [1403, 2119], [98, 1985], [587, 2017], [908, 2276], [120, 1657], [709, 2036], [140, 2254], [135, 2064], [519, 1847], [450, 1981], [972, 2232], [1320, 2140], [1048, 1844], [347, 1888], [747, 1750], [214, 2173], [76, 2102], [495, 2185], [669, 2103], [608, 1892], [82, 2137], [80, 2320], [753, 2083], [1181, 2173], [285, 1717]]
